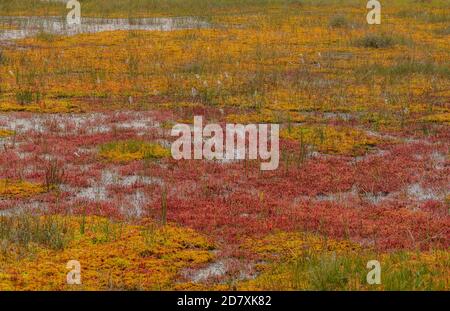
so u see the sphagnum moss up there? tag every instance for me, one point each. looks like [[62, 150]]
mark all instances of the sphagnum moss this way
[[130, 150], [19, 188], [332, 140], [389, 81], [124, 258], [6, 133]]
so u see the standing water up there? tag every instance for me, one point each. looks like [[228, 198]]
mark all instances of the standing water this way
[[18, 27]]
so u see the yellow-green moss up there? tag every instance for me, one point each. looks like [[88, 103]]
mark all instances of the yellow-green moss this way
[[266, 116], [293, 244], [6, 133], [296, 261], [49, 106], [331, 139], [130, 150]]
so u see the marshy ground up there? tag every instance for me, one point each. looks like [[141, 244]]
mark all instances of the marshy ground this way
[[86, 172]]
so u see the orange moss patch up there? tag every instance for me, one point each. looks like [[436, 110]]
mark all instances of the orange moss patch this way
[[331, 139], [6, 133], [19, 189], [297, 261], [293, 244], [236, 66], [130, 150], [266, 116], [111, 255]]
